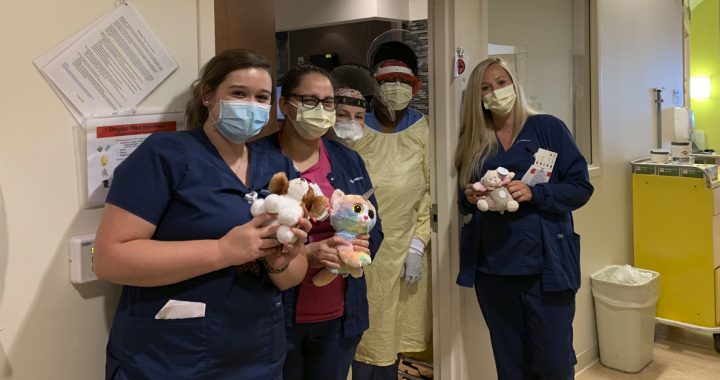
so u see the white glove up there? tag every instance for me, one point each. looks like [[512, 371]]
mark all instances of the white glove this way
[[413, 266]]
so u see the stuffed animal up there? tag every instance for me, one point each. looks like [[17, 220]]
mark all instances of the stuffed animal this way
[[291, 200], [350, 215], [497, 198]]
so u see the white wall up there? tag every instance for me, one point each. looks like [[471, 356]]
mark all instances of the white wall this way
[[545, 62], [636, 54], [52, 329], [418, 9], [293, 14]]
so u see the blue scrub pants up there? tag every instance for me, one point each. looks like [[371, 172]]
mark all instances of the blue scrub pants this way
[[318, 351], [530, 330]]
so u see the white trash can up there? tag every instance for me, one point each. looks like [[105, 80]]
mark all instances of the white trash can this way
[[625, 304]]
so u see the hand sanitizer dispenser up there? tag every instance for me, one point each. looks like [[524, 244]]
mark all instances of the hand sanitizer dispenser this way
[[81, 250]]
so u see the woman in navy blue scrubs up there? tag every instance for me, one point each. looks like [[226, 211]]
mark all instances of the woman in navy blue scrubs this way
[[324, 323], [525, 265], [202, 278]]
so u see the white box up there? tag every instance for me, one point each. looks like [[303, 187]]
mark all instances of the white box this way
[[81, 250]]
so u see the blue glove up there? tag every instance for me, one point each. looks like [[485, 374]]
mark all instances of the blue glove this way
[[413, 266]]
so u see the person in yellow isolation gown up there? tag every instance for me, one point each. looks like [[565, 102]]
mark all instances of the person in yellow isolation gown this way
[[394, 147]]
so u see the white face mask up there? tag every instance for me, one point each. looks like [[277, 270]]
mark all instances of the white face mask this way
[[398, 94], [348, 131], [314, 123], [500, 101]]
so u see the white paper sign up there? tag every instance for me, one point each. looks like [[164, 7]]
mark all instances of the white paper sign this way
[[108, 67], [110, 140]]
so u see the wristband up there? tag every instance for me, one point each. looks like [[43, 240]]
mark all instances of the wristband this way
[[271, 270]]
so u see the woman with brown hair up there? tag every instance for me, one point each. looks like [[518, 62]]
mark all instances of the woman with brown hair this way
[[202, 278], [324, 323]]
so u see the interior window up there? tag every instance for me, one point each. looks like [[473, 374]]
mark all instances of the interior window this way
[[548, 43]]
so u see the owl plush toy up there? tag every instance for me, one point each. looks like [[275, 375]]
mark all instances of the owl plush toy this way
[[350, 215]]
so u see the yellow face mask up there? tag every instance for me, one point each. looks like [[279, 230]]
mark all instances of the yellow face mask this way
[[398, 94], [500, 101], [313, 123]]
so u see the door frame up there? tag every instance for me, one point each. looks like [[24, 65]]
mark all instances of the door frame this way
[[452, 24]]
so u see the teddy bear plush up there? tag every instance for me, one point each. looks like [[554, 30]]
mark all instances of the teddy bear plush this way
[[497, 198], [291, 200], [350, 215]]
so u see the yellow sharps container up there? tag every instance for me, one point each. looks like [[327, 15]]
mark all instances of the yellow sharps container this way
[[676, 230]]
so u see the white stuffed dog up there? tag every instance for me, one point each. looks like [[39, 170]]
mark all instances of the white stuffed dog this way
[[291, 200]]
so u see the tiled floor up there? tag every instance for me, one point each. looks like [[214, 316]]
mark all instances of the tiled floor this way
[[677, 355]]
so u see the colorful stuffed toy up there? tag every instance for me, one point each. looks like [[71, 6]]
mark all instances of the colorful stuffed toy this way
[[291, 200], [350, 215], [497, 198]]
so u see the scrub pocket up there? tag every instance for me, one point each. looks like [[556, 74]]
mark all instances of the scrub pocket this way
[[573, 259], [168, 349], [570, 255], [561, 269]]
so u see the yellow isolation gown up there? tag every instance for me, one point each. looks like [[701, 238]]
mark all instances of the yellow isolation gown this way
[[400, 316]]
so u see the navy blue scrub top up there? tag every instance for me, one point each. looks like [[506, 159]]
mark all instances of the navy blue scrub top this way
[[512, 241], [178, 182], [539, 237]]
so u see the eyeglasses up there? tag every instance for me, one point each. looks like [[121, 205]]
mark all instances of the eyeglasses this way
[[312, 101]]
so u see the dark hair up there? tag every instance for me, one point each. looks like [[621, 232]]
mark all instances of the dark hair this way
[[213, 73], [395, 50], [291, 80]]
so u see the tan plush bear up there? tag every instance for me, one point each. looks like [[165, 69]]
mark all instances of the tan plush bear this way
[[497, 198], [291, 200]]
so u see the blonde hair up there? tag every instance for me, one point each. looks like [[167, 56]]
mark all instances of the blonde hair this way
[[477, 141]]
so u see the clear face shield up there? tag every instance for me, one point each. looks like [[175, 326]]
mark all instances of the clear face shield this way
[[360, 79], [399, 44]]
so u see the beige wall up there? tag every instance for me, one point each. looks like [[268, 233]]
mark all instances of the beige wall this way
[[51, 329]]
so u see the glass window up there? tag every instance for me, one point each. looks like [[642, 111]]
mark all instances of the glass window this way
[[548, 43]]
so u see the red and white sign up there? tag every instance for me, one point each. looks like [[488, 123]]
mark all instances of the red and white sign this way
[[111, 139]]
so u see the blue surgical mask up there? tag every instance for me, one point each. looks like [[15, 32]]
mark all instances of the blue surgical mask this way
[[240, 120]]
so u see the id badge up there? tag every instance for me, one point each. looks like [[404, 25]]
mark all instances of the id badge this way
[[541, 169]]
